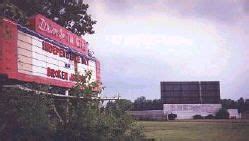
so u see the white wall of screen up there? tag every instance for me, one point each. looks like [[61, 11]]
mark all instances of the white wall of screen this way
[[187, 111]]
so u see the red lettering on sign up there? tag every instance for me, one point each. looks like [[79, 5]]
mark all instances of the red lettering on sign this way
[[72, 77], [77, 59], [57, 74], [61, 52], [84, 61]]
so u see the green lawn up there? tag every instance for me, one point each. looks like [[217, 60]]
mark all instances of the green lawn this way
[[212, 130]]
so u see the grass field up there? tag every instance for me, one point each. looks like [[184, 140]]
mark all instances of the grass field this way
[[211, 130]]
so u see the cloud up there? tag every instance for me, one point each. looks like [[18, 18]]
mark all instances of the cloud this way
[[221, 10], [147, 40], [143, 42]]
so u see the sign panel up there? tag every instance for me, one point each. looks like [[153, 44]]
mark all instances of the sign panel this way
[[40, 58], [28, 56], [56, 32]]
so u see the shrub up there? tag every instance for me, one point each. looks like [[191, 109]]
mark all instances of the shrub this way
[[222, 114], [197, 117], [172, 116], [210, 116], [29, 116]]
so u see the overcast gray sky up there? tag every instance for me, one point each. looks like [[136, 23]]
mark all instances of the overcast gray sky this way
[[143, 42]]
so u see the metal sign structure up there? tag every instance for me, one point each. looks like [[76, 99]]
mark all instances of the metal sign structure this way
[[45, 53]]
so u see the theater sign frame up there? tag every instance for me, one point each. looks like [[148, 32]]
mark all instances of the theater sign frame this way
[[44, 52]]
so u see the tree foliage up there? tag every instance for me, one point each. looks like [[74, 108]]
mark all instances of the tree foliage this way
[[172, 116], [30, 116], [24, 116], [121, 105], [131, 129], [222, 114], [68, 13], [141, 103], [85, 87], [241, 104]]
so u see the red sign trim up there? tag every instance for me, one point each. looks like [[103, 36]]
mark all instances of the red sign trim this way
[[50, 29]]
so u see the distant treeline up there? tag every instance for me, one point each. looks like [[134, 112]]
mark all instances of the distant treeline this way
[[241, 104], [141, 103]]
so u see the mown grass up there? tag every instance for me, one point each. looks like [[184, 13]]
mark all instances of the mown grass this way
[[211, 130]]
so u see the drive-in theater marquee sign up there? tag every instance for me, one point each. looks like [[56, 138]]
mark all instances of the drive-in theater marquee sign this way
[[45, 53]]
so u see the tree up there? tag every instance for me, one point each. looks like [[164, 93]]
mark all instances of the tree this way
[[247, 105], [229, 104], [119, 106], [88, 122], [157, 104], [141, 103], [25, 116], [241, 105], [85, 87], [68, 13], [11, 11], [222, 114], [28, 116], [123, 121]]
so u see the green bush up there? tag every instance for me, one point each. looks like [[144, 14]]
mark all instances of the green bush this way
[[172, 116], [29, 116], [222, 114], [210, 116], [197, 117], [25, 116]]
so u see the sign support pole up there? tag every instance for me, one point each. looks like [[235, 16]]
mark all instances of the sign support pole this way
[[67, 107]]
